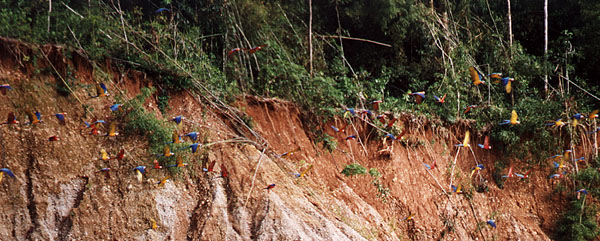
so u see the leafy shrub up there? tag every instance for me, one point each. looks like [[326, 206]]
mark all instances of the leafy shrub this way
[[354, 169]]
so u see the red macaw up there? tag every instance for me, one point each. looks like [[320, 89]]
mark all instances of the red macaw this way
[[375, 104], [350, 137], [381, 119], [233, 51], [210, 167], [53, 138], [432, 165], [120, 155], [557, 175], [523, 176], [593, 114], [510, 172], [5, 88], [391, 122], [486, 143], [224, 172], [11, 120], [440, 100], [476, 77], [257, 48], [419, 96], [271, 186], [469, 108], [157, 165]]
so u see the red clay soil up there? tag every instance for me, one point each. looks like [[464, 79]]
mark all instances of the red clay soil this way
[[58, 195]]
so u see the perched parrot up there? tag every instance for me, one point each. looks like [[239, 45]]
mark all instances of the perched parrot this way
[[566, 154], [465, 141], [440, 100], [112, 129], [139, 172], [594, 114], [476, 77], [476, 168], [156, 165], [375, 104], [492, 223], [486, 143], [224, 172], [556, 123], [101, 90], [271, 186], [163, 181], [381, 119], [457, 190], [7, 171], [176, 138], [506, 81], [513, 119], [510, 173], [53, 138], [432, 165], [120, 155], [233, 51], [160, 10], [115, 107], [576, 118], [192, 135], [34, 118], [288, 153], [469, 108], [210, 167], [419, 96], [61, 118], [104, 155], [167, 151], [5, 88], [523, 176], [11, 119], [180, 162], [257, 48], [351, 137]]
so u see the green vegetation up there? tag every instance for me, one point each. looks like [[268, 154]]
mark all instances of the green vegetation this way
[[354, 169]]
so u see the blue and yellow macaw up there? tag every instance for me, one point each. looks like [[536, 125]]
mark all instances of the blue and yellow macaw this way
[[476, 77], [581, 191], [299, 175], [7, 171], [61, 118], [576, 118], [193, 146], [410, 217], [375, 104], [11, 119], [101, 91], [419, 96], [457, 190], [350, 111], [34, 118], [288, 153], [104, 155], [491, 222], [176, 138], [506, 81], [153, 224], [167, 151], [112, 129], [180, 162], [192, 135], [476, 168], [392, 137], [556, 123], [139, 172], [593, 114], [163, 181], [4, 88], [440, 100], [93, 124], [496, 77], [513, 119], [559, 165], [486, 143], [115, 107], [105, 171], [465, 141], [178, 120], [578, 160]]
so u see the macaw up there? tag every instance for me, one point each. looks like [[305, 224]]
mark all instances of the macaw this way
[[430, 167], [104, 154], [392, 137], [335, 129], [375, 104], [556, 123], [476, 168], [469, 108], [594, 114], [581, 191], [156, 165], [486, 143], [176, 138], [115, 107], [153, 224], [7, 171], [381, 119], [120, 155], [506, 81], [367, 112], [192, 135], [513, 119], [557, 175], [305, 171], [257, 48], [476, 77], [419, 96], [523, 176], [558, 165], [163, 181], [112, 129], [349, 110], [61, 118], [576, 118], [180, 162], [167, 151], [105, 170], [93, 124], [457, 190], [440, 100], [34, 118], [288, 153], [271, 186], [160, 10], [210, 167], [101, 90], [139, 172], [578, 160], [350, 137], [410, 217], [233, 51], [492, 223], [465, 141], [566, 154], [510, 173], [53, 138], [391, 122], [224, 172], [496, 76], [5, 88], [11, 119], [178, 120], [194, 147]]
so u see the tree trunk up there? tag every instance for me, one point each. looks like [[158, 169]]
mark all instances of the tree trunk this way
[[310, 47], [545, 46], [510, 34]]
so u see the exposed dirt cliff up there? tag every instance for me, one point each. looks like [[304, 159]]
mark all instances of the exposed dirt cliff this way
[[59, 195]]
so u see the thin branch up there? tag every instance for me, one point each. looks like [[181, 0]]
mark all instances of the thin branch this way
[[67, 6], [357, 39]]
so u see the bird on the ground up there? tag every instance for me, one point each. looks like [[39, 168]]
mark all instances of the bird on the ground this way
[[139, 172], [53, 138], [7, 171], [513, 119]]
